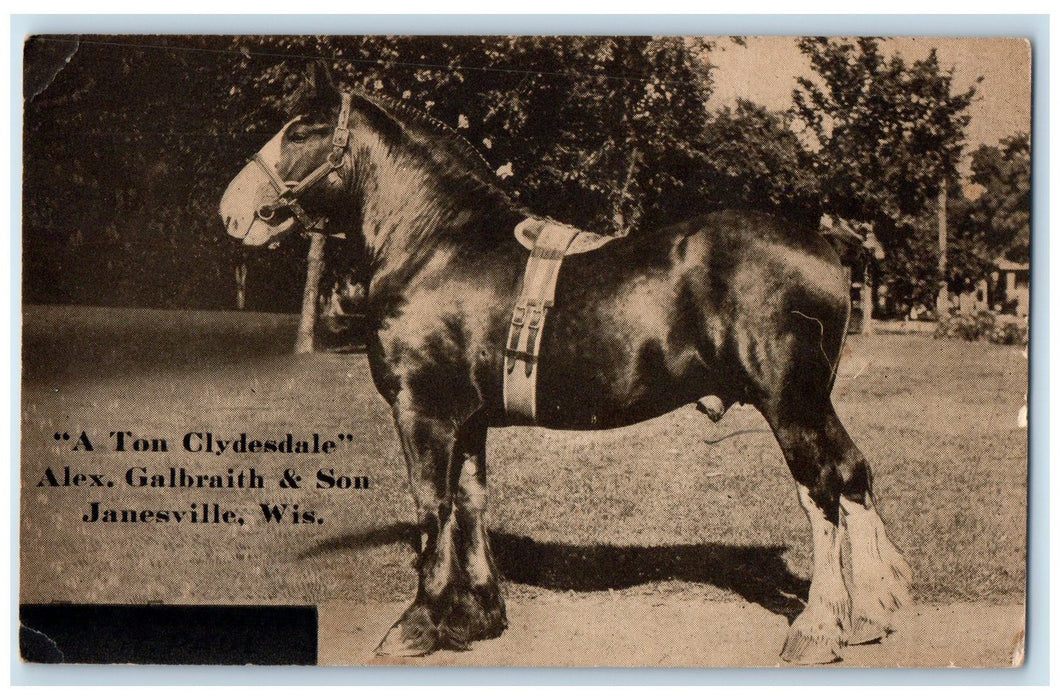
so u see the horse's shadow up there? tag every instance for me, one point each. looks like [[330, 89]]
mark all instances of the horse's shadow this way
[[756, 573]]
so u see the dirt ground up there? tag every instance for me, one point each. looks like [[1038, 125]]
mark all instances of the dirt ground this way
[[602, 630], [674, 542]]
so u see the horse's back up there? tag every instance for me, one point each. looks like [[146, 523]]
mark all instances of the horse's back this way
[[714, 305]]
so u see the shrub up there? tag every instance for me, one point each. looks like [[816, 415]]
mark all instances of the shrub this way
[[965, 326], [1010, 332], [1004, 330]]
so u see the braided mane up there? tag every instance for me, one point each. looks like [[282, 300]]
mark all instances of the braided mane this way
[[435, 133]]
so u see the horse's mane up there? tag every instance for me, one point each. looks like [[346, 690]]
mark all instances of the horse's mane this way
[[433, 134]]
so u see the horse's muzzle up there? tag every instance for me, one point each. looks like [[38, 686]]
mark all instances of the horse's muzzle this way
[[267, 232], [251, 212]]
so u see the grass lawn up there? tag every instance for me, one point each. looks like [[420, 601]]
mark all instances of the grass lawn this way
[[676, 504]]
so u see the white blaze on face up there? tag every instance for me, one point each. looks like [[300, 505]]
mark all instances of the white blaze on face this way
[[248, 191]]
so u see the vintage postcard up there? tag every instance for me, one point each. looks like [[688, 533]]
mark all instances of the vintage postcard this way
[[525, 350]]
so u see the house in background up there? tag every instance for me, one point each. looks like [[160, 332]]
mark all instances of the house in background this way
[[1011, 283], [1006, 290]]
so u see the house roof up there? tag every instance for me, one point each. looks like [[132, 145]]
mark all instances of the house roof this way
[[1005, 265]]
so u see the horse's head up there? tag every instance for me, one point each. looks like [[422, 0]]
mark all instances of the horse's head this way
[[289, 181]]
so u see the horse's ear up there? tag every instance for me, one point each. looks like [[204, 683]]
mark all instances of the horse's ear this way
[[325, 84], [360, 100], [318, 92]]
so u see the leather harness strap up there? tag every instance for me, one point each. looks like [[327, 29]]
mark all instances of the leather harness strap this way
[[522, 352]]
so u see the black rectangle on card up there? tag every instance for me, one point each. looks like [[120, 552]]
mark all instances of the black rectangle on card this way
[[168, 634]]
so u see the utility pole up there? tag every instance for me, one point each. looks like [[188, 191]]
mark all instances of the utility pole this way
[[942, 303], [867, 302]]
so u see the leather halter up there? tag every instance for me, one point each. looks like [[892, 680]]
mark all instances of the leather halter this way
[[288, 192]]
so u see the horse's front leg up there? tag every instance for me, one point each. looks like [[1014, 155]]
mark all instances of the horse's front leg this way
[[458, 598]]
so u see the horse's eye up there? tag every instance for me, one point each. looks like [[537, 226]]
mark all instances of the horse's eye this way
[[298, 135]]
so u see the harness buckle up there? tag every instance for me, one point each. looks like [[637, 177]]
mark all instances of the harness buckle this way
[[537, 314], [341, 137], [342, 128], [519, 314]]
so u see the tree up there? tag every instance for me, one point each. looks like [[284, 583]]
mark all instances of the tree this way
[[888, 131], [889, 135], [910, 270], [752, 159], [126, 150], [1001, 215]]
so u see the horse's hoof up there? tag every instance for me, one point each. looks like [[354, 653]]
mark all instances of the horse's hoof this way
[[876, 600], [470, 618], [413, 635], [866, 631], [810, 650], [816, 636]]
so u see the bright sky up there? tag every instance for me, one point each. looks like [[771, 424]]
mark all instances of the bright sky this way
[[765, 70]]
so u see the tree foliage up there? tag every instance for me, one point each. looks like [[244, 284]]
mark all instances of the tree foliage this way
[[129, 148], [889, 131], [910, 269], [752, 159], [1001, 215], [126, 152], [889, 134], [130, 142]]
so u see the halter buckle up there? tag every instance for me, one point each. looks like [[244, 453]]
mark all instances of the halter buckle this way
[[267, 211], [337, 158]]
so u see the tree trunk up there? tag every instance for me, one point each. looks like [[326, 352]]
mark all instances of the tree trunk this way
[[943, 301], [868, 301], [306, 325], [241, 286], [623, 225]]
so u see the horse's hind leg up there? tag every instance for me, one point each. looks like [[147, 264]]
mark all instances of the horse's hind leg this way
[[879, 576], [458, 598], [859, 578], [818, 633]]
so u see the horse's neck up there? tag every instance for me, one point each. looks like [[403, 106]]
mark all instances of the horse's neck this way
[[414, 220]]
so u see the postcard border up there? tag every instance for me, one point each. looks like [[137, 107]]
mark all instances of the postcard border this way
[[1035, 671]]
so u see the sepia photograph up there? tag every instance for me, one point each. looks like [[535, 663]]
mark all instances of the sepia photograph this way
[[525, 350]]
